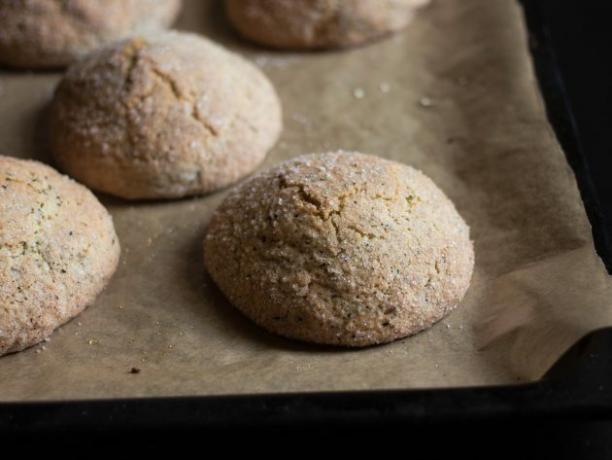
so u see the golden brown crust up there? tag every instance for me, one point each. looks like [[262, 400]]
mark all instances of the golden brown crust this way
[[163, 116], [58, 249], [312, 24], [340, 248], [52, 33]]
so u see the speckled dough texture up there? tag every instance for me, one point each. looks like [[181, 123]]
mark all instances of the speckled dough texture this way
[[163, 116], [52, 33], [58, 249], [319, 23], [340, 248]]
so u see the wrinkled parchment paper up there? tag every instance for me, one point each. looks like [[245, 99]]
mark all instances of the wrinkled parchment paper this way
[[453, 95]]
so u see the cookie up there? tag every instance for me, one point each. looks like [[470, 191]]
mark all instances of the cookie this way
[[163, 116], [340, 248], [58, 250], [51, 33], [314, 24]]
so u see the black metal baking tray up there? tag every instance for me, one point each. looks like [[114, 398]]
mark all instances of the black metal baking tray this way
[[568, 413]]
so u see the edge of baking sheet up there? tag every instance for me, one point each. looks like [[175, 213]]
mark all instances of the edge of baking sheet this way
[[577, 92]]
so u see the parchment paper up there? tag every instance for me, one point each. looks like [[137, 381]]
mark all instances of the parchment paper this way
[[453, 95]]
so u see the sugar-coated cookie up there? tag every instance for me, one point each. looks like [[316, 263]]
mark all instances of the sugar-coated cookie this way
[[58, 250], [340, 248], [52, 33], [312, 24], [163, 116]]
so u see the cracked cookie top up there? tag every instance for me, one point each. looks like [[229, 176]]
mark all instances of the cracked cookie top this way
[[163, 116], [340, 248], [58, 249], [311, 24], [54, 33]]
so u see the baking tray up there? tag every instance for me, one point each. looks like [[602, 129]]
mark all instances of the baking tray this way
[[567, 41]]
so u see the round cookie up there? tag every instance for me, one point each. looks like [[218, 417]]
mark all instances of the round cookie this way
[[340, 248], [316, 24], [58, 249], [52, 33], [163, 116]]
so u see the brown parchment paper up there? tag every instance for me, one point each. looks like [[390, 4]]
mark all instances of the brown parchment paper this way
[[453, 95]]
